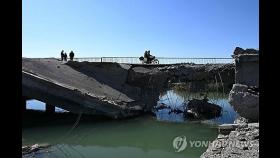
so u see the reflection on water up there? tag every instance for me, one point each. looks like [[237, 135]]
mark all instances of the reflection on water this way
[[176, 99]]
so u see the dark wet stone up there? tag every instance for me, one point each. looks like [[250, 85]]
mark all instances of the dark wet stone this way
[[202, 109]]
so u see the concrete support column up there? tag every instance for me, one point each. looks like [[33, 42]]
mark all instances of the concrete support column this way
[[23, 103], [50, 108]]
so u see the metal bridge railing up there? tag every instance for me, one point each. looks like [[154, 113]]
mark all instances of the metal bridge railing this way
[[162, 60]]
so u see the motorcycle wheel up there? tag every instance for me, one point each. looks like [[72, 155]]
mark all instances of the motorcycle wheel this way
[[155, 61]]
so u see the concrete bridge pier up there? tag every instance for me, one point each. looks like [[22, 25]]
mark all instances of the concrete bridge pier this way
[[50, 109]]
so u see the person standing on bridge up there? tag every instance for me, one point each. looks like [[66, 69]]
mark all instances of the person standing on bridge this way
[[65, 56], [62, 55], [71, 54]]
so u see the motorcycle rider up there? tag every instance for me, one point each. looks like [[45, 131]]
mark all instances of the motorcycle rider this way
[[148, 57]]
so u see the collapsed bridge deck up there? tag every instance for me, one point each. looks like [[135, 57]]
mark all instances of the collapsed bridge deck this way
[[111, 89]]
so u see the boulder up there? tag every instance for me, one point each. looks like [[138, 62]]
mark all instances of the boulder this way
[[245, 103], [225, 129], [34, 148], [202, 109]]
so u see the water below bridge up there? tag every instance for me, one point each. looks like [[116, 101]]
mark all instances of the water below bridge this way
[[145, 136]]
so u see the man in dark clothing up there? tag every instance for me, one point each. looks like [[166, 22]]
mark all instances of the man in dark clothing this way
[[62, 55], [71, 54], [147, 56], [65, 56]]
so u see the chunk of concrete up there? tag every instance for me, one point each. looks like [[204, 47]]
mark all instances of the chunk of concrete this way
[[225, 129], [245, 103]]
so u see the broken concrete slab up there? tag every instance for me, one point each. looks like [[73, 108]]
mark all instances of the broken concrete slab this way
[[225, 129], [244, 102], [242, 142], [247, 62], [91, 88]]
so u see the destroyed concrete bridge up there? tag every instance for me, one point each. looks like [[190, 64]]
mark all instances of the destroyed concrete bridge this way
[[109, 88]]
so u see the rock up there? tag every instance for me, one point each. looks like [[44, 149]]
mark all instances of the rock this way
[[25, 148], [253, 125], [201, 109], [191, 114], [241, 120], [242, 142], [244, 102], [200, 73], [225, 129], [238, 51], [247, 67], [34, 148], [239, 88], [251, 51], [222, 136], [143, 77]]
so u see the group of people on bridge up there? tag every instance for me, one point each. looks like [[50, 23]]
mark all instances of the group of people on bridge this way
[[64, 55], [148, 58]]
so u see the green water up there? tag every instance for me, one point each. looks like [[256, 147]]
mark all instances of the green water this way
[[144, 136], [137, 137]]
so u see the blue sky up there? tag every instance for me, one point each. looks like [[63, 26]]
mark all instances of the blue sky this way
[[169, 28]]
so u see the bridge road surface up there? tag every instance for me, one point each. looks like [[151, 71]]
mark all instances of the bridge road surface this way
[[105, 82]]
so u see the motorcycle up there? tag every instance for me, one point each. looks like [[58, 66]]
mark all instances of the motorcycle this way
[[150, 60]]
